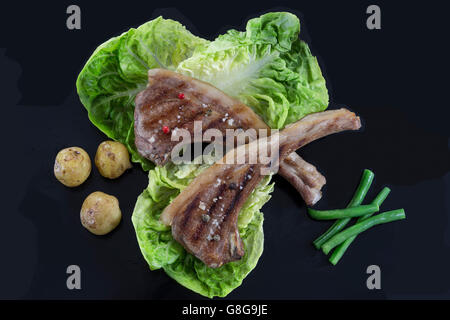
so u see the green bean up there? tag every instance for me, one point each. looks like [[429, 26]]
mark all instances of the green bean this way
[[357, 211], [358, 197], [362, 226], [340, 250], [379, 199], [337, 226], [363, 187]]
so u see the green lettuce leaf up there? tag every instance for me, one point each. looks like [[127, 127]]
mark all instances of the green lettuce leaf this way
[[160, 250], [117, 71], [267, 67]]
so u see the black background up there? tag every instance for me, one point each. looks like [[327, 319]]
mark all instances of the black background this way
[[395, 78]]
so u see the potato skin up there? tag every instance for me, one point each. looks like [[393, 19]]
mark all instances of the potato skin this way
[[112, 159], [72, 166], [100, 213]]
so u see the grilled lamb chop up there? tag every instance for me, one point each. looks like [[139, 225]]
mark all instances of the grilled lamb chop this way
[[176, 101], [204, 215]]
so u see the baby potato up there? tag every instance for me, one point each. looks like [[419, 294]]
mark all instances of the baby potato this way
[[112, 159], [72, 166], [100, 213]]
